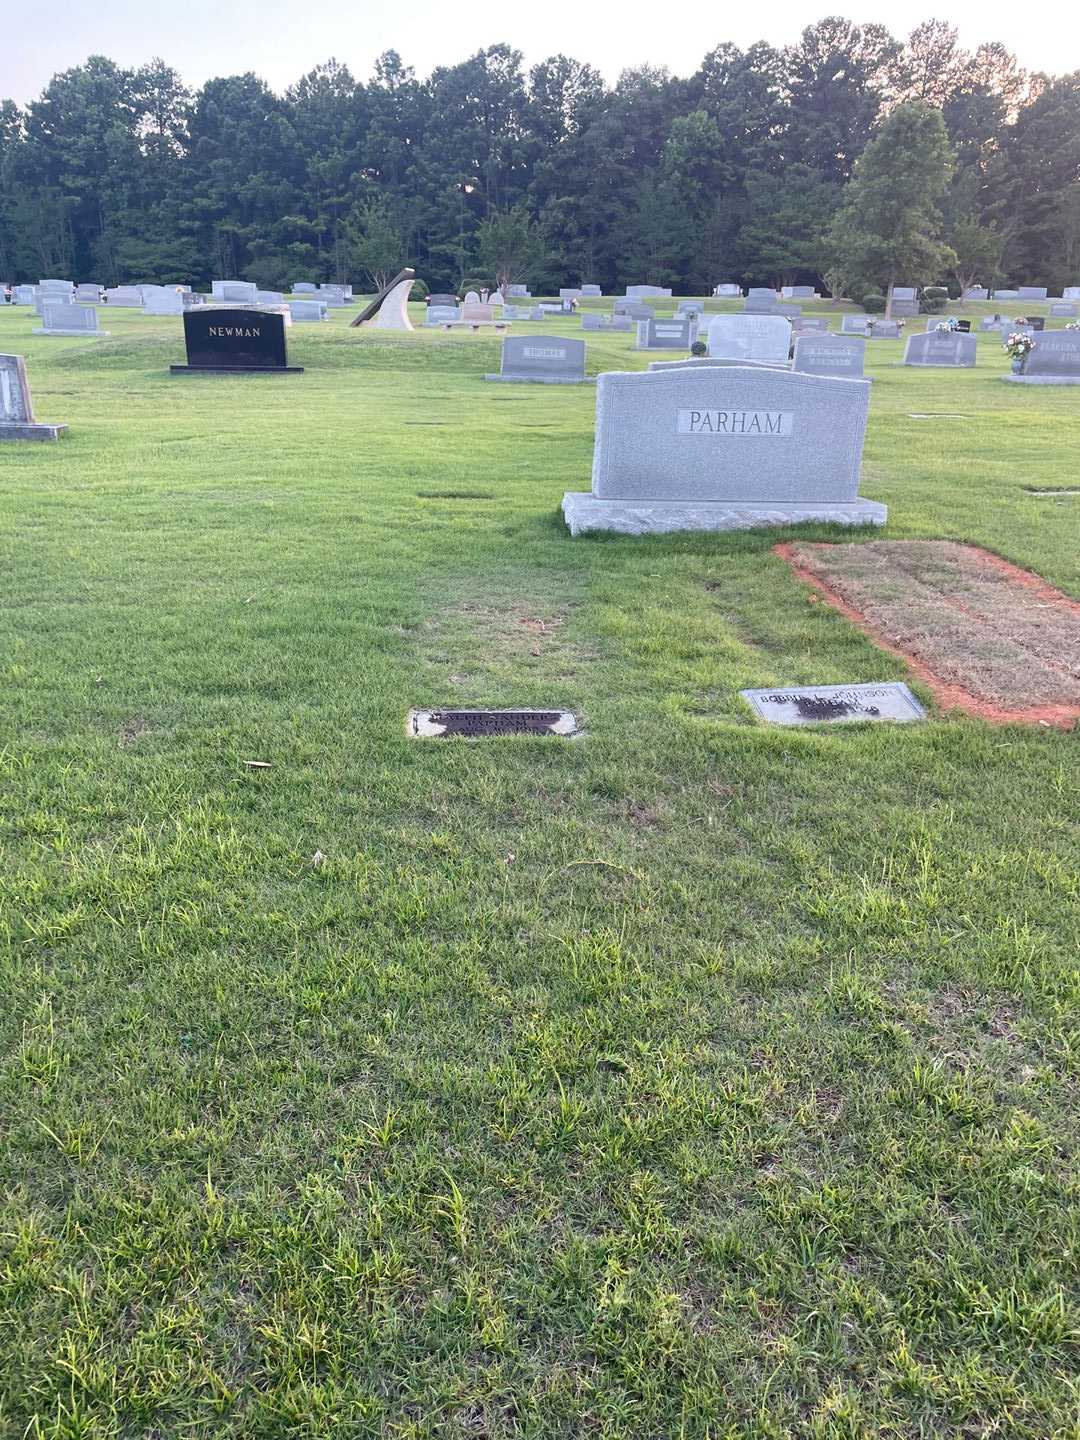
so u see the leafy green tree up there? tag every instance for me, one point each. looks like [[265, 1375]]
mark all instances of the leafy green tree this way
[[509, 246], [888, 228], [376, 243], [977, 245]]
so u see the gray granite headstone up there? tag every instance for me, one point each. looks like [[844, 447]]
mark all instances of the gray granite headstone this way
[[797, 292], [728, 292], [1055, 360], [817, 704], [1032, 292], [305, 312], [818, 323], [303, 287], [23, 295], [1006, 294], [760, 304], [443, 300], [750, 337], [88, 294], [941, 348], [724, 447], [885, 330], [1063, 309], [633, 308], [666, 334], [593, 292], [570, 292], [518, 292], [904, 309], [128, 296], [904, 292], [58, 318], [162, 300], [532, 360], [16, 408], [841, 355], [855, 325], [652, 292], [976, 292], [690, 307], [1071, 292]]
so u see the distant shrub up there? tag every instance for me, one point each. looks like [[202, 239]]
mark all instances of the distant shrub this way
[[874, 304], [419, 291], [934, 299], [478, 285]]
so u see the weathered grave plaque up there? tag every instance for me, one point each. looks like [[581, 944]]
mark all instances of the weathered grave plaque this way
[[483, 724], [812, 704]]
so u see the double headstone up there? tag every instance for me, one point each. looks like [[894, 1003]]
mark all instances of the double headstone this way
[[592, 292], [947, 348], [128, 296], [518, 292], [1032, 292], [797, 292], [162, 300], [234, 292], [749, 337], [719, 447], [885, 330], [61, 318], [976, 292], [445, 315], [855, 325], [16, 408], [87, 294], [727, 291], [1063, 309], [1054, 360], [652, 292], [222, 341], [526, 360]]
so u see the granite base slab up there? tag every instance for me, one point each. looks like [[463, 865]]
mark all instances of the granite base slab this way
[[79, 334], [23, 431], [236, 369], [584, 512], [1041, 379], [543, 379]]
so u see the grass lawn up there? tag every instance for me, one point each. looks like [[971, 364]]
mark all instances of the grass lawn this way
[[689, 1079]]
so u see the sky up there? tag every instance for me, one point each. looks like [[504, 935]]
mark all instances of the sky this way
[[282, 39]]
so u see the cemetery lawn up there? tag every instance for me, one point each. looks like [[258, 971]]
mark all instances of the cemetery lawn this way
[[689, 1079]]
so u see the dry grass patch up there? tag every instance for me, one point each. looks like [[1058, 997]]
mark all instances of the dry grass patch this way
[[986, 637]]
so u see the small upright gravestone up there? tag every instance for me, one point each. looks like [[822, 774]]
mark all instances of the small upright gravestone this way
[[304, 287], [976, 292], [592, 292], [161, 300], [234, 292], [727, 292], [1032, 292], [690, 307], [855, 325], [839, 355], [526, 361], [656, 334], [749, 337], [1055, 360], [885, 330], [305, 312], [235, 341], [724, 448], [16, 409], [128, 296], [947, 348], [59, 318]]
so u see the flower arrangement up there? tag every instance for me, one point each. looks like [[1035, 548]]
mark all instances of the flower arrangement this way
[[948, 326], [1073, 325], [1018, 347]]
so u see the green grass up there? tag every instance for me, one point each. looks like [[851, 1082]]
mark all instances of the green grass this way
[[691, 1079]]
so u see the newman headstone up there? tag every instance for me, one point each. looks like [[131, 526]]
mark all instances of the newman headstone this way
[[16, 408], [724, 448], [223, 341], [529, 361]]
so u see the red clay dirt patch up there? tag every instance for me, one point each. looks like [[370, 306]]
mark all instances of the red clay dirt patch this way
[[983, 635]]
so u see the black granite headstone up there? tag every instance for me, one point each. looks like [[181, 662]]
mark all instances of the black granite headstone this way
[[235, 342]]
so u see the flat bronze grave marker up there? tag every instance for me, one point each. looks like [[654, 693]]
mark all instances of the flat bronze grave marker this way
[[483, 724], [812, 704]]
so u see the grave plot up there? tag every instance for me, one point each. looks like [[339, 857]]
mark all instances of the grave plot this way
[[985, 636]]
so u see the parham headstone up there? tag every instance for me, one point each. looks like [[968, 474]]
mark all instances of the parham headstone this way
[[530, 361], [724, 448], [16, 408]]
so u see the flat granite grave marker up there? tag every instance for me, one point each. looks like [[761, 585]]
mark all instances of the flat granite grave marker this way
[[949, 348], [486, 724], [1055, 360], [16, 408], [720, 447], [749, 337], [815, 704], [60, 318], [235, 341], [529, 361], [841, 355]]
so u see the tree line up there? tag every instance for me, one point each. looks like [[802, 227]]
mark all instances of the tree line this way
[[754, 169]]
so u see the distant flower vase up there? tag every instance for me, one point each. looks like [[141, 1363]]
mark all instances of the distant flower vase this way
[[1018, 367]]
